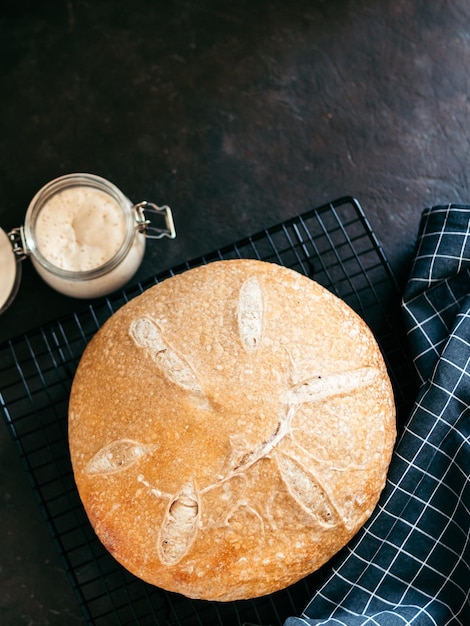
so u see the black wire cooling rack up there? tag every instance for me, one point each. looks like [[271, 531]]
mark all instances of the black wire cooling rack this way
[[333, 244]]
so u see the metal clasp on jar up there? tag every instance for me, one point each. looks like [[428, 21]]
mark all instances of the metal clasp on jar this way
[[18, 243], [144, 225]]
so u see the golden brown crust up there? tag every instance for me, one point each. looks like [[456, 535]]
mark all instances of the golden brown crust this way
[[230, 430]]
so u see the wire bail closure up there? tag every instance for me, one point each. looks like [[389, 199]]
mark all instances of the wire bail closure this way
[[18, 243], [144, 224]]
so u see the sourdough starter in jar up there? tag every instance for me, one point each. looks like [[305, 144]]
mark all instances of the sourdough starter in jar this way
[[8, 271], [80, 228], [83, 236]]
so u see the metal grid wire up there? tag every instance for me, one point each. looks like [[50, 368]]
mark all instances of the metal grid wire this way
[[333, 244]]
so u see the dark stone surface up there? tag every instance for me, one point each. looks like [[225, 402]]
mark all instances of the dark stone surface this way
[[239, 115]]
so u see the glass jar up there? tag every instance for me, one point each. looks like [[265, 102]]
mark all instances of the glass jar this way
[[10, 272], [85, 238]]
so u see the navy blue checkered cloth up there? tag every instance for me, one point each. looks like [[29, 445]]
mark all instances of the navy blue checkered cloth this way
[[410, 563]]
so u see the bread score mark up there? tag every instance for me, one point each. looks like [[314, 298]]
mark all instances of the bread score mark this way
[[179, 526], [117, 456], [262, 450], [321, 387], [250, 314], [148, 335], [306, 491]]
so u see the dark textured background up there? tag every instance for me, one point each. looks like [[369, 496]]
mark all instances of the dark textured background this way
[[239, 115]]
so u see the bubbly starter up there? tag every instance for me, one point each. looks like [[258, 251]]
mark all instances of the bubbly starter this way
[[78, 229]]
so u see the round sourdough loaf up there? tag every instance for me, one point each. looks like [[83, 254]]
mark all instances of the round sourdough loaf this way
[[230, 430]]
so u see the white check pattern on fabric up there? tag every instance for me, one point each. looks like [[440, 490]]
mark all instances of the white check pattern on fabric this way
[[410, 563]]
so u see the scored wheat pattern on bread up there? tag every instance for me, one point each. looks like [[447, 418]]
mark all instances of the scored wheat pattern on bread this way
[[182, 518]]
